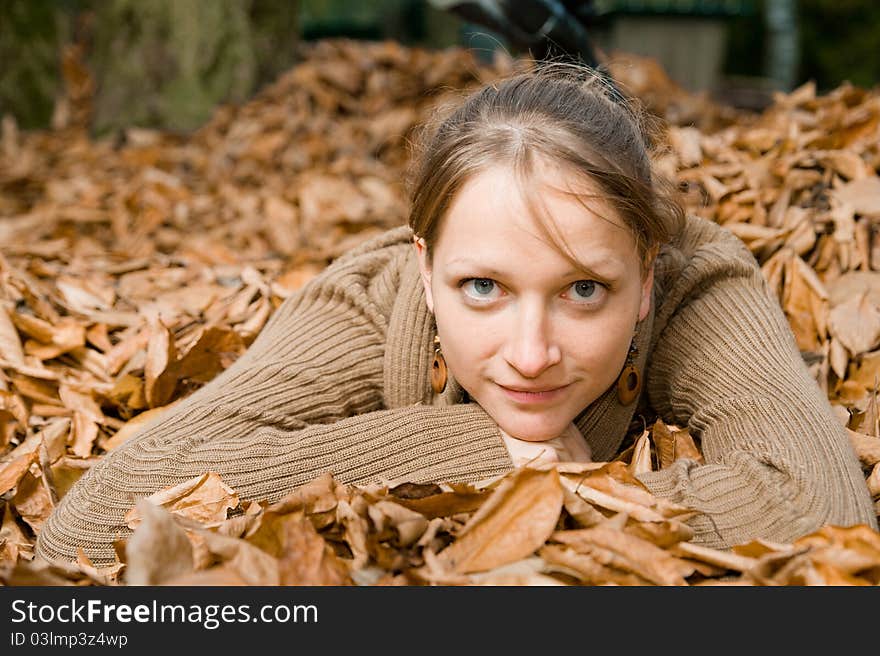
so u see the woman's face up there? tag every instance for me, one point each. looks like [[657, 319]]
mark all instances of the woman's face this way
[[513, 314]]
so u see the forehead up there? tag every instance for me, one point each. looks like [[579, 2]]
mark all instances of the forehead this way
[[490, 217]]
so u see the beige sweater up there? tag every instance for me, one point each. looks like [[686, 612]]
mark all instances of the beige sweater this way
[[338, 381]]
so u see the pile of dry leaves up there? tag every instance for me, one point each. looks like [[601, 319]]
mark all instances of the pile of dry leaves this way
[[134, 269]]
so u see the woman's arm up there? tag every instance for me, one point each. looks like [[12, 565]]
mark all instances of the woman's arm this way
[[778, 463], [305, 398]]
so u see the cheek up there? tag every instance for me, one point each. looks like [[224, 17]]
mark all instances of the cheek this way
[[598, 344], [467, 338]]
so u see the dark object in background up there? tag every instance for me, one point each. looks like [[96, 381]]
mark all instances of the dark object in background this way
[[548, 29]]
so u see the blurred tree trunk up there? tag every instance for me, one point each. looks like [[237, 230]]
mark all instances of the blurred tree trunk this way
[[30, 38], [156, 63], [169, 63]]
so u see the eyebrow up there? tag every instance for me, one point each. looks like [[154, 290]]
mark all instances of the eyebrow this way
[[588, 269]]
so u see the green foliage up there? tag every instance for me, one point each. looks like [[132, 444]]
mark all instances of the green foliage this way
[[839, 41]]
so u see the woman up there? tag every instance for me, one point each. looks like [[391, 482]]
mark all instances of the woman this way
[[546, 287]]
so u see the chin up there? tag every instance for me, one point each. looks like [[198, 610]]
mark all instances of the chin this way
[[530, 427], [541, 433]]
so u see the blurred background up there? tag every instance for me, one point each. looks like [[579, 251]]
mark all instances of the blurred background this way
[[168, 63]]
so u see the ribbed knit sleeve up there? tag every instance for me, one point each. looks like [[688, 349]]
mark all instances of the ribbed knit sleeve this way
[[725, 364], [306, 398]]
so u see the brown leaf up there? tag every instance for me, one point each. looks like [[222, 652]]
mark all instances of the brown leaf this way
[[512, 523], [68, 471], [317, 497], [463, 499], [625, 552], [409, 525], [13, 405], [10, 343], [80, 402], [83, 434], [214, 350], [759, 547], [715, 557], [663, 534], [664, 442], [160, 371], [204, 498], [873, 481], [587, 567], [867, 448], [804, 300], [584, 513], [159, 549], [306, 559], [64, 337], [222, 575], [125, 349], [134, 425], [12, 472], [865, 371], [611, 502], [251, 564], [641, 458], [854, 299], [356, 532], [295, 278], [685, 446], [526, 572], [614, 488], [33, 501], [83, 296], [863, 195], [104, 575], [53, 436], [13, 541], [686, 142]]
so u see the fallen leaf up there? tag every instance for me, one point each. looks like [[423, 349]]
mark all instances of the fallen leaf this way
[[306, 559], [12, 472], [204, 498], [13, 542], [641, 458], [873, 481], [33, 501], [134, 425], [159, 549], [625, 552], [867, 448], [863, 195], [160, 370], [10, 343], [253, 565], [512, 523]]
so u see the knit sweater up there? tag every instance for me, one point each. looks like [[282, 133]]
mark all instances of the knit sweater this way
[[339, 381]]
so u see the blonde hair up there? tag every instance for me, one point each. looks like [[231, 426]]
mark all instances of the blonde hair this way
[[565, 114]]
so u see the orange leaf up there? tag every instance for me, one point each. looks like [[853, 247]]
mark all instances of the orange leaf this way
[[513, 523]]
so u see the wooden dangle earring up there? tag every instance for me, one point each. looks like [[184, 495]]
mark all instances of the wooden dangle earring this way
[[629, 383], [438, 368]]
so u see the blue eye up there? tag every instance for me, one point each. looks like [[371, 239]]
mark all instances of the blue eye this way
[[586, 290], [483, 287]]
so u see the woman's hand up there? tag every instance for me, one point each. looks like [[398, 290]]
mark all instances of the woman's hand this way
[[570, 446]]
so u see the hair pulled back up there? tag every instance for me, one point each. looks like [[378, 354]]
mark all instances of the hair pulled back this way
[[562, 113]]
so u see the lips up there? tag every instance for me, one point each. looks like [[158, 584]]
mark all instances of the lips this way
[[531, 390], [544, 395]]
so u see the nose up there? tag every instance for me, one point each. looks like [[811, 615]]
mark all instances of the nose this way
[[530, 348]]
